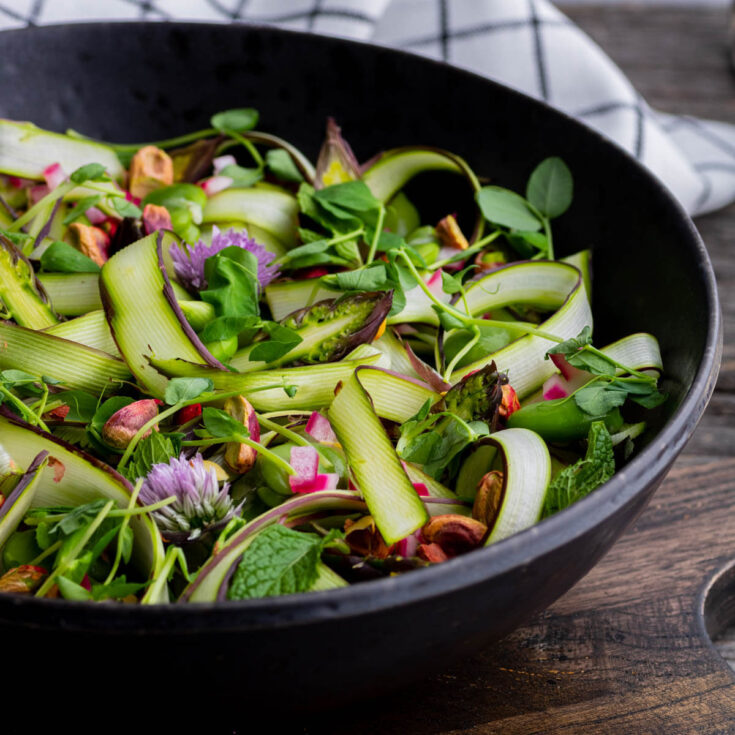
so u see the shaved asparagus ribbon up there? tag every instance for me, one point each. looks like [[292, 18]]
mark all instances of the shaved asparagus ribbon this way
[[83, 480], [526, 476], [548, 285]]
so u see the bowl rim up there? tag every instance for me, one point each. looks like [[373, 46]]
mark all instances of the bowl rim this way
[[482, 564]]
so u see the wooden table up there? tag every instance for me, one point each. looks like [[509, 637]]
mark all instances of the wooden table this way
[[625, 651]]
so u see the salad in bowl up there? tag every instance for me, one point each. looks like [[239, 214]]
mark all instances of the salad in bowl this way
[[228, 372]]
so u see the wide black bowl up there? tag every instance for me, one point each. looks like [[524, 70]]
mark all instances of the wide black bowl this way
[[132, 82]]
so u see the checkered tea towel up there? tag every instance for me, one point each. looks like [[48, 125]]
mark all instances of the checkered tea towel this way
[[552, 59]]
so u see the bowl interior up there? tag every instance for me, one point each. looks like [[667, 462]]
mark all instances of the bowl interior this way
[[137, 82]]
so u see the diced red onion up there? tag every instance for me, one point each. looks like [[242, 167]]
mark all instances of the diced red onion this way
[[53, 175], [222, 162], [408, 546], [319, 428], [305, 460], [421, 489], [555, 387], [38, 192], [95, 216], [215, 184]]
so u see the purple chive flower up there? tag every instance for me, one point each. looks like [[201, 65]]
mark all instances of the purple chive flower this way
[[189, 261], [200, 505]]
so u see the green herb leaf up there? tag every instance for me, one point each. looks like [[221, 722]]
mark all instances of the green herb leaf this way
[[125, 208], [279, 561], [573, 345], [237, 121], [599, 398], [60, 257], [233, 286], [117, 589], [242, 177], [353, 196], [71, 590], [373, 278], [225, 327], [450, 284], [527, 243], [504, 207], [82, 405], [282, 341], [447, 320], [81, 207], [281, 165], [186, 389], [221, 424], [581, 478], [156, 448], [550, 187], [89, 172]]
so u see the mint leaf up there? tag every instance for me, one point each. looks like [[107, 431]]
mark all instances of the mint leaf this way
[[279, 561], [504, 207], [550, 187], [581, 478], [186, 389]]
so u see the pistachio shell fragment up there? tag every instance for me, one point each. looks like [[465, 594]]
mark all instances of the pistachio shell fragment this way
[[150, 169]]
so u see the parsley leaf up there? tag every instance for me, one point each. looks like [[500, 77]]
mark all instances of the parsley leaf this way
[[581, 478]]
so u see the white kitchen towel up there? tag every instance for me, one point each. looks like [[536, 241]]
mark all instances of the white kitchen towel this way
[[526, 44]]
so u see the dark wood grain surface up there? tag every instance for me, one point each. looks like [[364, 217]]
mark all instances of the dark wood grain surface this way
[[625, 652]]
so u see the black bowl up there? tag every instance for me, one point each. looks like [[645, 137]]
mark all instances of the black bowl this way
[[133, 82]]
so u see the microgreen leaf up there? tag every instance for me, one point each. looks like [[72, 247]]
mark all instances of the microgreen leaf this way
[[82, 405], [282, 341], [125, 208], [528, 243], [281, 165], [81, 207], [60, 257], [373, 278], [504, 207], [354, 196], [447, 320], [241, 176], [232, 278], [450, 284], [598, 398], [550, 187], [186, 389], [221, 424], [225, 327], [89, 172], [235, 121], [570, 346]]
